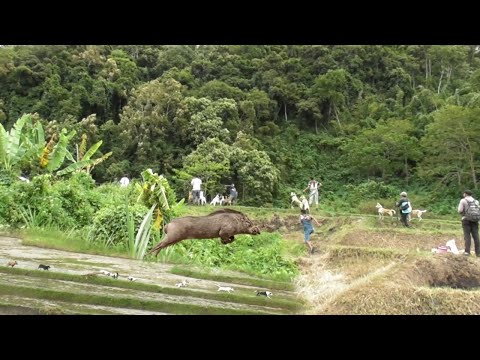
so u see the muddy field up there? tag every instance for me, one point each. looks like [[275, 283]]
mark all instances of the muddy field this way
[[85, 266], [362, 266]]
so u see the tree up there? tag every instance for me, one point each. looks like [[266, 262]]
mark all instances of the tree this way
[[385, 151], [452, 147]]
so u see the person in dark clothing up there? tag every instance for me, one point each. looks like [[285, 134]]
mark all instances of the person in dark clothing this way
[[233, 193], [470, 228], [405, 208]]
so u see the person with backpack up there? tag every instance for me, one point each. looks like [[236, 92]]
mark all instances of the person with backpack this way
[[469, 208], [405, 208]]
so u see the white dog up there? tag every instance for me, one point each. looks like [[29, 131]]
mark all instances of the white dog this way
[[225, 288], [295, 200], [218, 199], [417, 214], [305, 204], [182, 283], [382, 211], [203, 201]]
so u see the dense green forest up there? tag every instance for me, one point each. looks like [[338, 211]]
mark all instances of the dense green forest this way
[[367, 121]]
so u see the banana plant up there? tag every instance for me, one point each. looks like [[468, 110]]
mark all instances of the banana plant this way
[[53, 156], [83, 161], [12, 144], [152, 194]]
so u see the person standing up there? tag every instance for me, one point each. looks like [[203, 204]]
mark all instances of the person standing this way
[[124, 181], [196, 187], [308, 230], [314, 187], [405, 208], [233, 193], [470, 211]]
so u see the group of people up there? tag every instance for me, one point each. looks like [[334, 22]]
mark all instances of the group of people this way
[[197, 188], [468, 208]]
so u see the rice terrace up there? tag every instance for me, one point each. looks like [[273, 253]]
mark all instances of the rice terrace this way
[[239, 179], [362, 267]]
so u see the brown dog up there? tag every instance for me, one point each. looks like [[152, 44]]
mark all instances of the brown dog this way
[[382, 211], [417, 214], [12, 263]]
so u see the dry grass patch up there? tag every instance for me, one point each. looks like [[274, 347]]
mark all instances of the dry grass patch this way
[[412, 289], [399, 240]]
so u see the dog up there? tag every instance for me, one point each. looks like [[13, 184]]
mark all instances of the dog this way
[[131, 278], [44, 267], [264, 293], [12, 263], [382, 211], [203, 201], [114, 275], [182, 283], [295, 200], [225, 288], [417, 214], [218, 199], [305, 205], [228, 201]]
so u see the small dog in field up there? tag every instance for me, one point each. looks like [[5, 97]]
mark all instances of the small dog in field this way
[[218, 199], [264, 293], [131, 278], [227, 201], [225, 288], [203, 201], [417, 214], [382, 211], [114, 275], [44, 267], [12, 263], [295, 200], [183, 283], [305, 204]]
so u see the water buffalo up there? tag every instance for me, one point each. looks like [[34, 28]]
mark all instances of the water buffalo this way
[[224, 223]]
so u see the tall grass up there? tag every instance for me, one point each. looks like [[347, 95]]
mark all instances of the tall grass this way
[[143, 235], [29, 216]]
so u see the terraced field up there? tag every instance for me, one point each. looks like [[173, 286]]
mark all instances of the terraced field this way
[[75, 284]]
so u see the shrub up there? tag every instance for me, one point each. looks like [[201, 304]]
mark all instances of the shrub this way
[[110, 224]]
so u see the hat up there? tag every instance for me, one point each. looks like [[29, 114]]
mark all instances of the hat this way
[[403, 193]]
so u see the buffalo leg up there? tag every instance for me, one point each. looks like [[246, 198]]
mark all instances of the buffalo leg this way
[[161, 245]]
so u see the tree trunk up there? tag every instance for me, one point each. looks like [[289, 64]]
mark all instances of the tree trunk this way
[[407, 175], [285, 107], [472, 169], [336, 116], [440, 83]]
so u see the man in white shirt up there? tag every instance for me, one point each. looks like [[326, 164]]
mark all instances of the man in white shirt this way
[[313, 186], [196, 187], [124, 181]]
